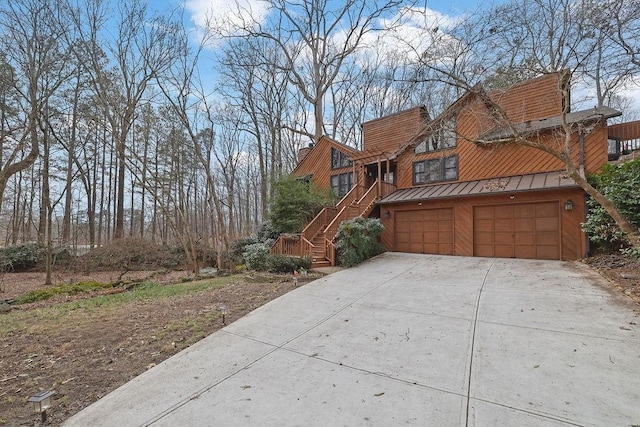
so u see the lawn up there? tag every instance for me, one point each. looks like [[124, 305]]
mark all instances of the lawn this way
[[83, 341]]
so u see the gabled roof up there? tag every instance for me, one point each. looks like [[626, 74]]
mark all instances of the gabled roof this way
[[451, 109], [326, 140], [595, 114], [510, 184], [458, 104]]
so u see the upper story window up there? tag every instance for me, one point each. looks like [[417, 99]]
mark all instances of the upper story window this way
[[435, 170], [441, 138], [339, 159]]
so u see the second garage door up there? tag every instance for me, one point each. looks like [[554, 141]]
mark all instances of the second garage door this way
[[427, 231], [528, 230]]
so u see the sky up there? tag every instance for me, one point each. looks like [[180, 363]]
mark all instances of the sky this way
[[440, 12]]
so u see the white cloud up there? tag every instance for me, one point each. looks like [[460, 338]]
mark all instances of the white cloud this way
[[225, 15], [410, 34]]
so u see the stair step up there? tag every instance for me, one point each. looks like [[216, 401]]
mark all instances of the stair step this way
[[316, 264]]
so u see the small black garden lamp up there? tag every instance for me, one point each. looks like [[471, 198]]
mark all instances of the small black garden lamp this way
[[223, 309], [41, 402]]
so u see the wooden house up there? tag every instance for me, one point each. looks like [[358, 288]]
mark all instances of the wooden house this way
[[453, 185]]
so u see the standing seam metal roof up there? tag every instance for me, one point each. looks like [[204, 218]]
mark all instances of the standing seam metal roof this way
[[516, 183]]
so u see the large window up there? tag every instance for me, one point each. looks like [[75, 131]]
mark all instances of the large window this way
[[342, 183], [339, 159], [435, 170], [441, 138]]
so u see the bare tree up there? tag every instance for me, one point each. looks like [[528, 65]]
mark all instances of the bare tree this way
[[143, 49], [30, 35], [262, 93], [314, 40]]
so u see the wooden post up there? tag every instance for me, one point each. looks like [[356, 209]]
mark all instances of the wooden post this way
[[388, 171], [379, 176]]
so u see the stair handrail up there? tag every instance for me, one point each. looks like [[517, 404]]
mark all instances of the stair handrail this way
[[324, 216], [334, 224], [330, 251], [306, 247], [349, 198], [370, 195]]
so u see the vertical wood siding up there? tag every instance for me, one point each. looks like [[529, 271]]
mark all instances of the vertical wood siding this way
[[625, 131], [390, 132]]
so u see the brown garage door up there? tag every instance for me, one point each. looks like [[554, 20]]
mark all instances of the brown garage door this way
[[427, 231], [528, 230]]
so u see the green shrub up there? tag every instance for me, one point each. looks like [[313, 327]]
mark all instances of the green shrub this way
[[21, 257], [238, 247], [287, 264], [358, 239], [267, 232], [256, 256], [620, 184], [295, 202]]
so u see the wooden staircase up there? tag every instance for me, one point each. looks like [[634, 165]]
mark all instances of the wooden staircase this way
[[318, 258], [317, 239]]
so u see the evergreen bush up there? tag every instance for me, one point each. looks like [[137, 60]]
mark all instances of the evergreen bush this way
[[256, 256], [287, 264], [620, 183], [358, 239], [295, 203], [22, 257]]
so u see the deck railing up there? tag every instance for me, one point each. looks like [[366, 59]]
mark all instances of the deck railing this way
[[386, 188], [287, 244]]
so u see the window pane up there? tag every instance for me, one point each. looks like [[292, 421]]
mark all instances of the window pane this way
[[418, 173], [434, 170], [451, 168], [339, 159], [449, 137]]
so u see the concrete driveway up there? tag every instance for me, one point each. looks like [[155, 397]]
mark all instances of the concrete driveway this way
[[407, 339]]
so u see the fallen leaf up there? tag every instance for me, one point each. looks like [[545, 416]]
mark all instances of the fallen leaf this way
[[536, 366], [244, 387], [379, 394]]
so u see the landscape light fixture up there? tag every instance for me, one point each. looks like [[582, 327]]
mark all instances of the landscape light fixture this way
[[41, 402], [387, 215], [568, 205], [223, 309]]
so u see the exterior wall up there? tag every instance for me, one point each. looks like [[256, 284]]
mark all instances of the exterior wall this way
[[531, 100], [317, 163], [390, 132], [540, 98], [572, 239], [625, 131], [595, 149]]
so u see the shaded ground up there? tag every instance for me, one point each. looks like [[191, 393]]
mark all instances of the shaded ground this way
[[623, 272], [83, 346]]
